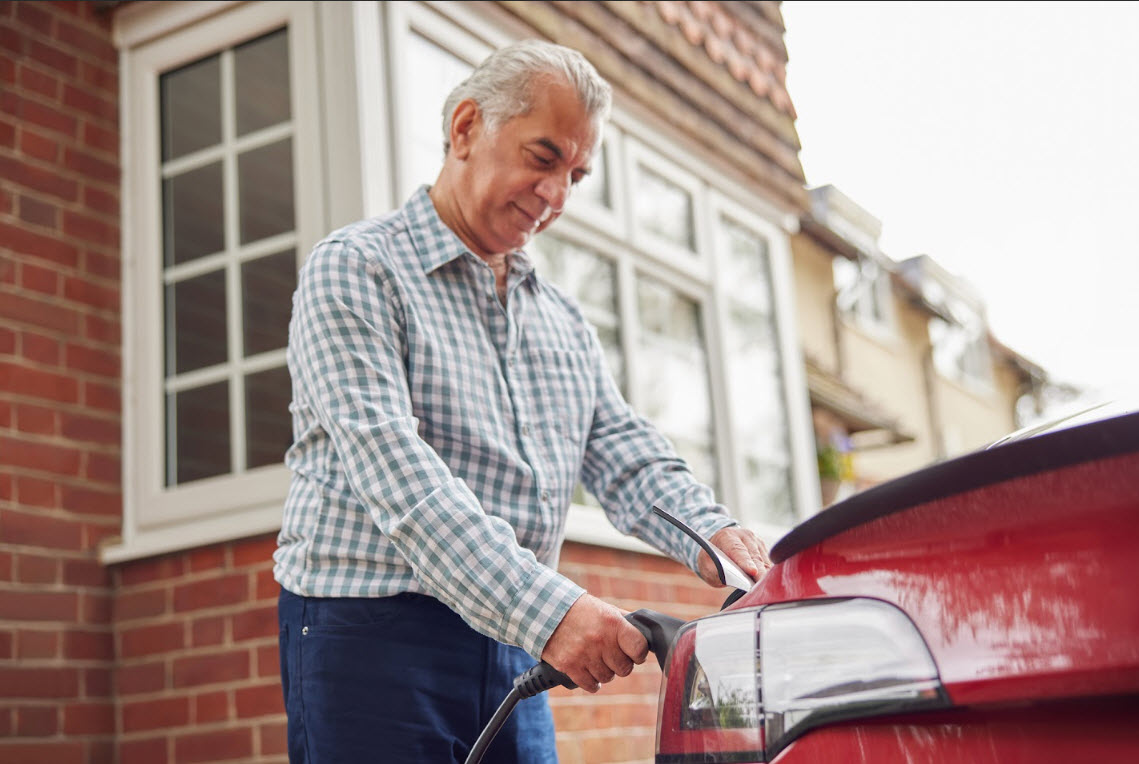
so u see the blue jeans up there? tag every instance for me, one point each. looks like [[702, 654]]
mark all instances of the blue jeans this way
[[400, 679]]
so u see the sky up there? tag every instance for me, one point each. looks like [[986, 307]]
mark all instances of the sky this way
[[1001, 139]]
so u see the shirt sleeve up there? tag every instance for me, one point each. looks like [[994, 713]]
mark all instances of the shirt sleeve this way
[[630, 466], [347, 349]]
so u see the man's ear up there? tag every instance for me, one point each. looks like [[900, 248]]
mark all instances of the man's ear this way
[[466, 125]]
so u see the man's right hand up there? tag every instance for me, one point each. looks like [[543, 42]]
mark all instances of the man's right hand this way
[[594, 643]]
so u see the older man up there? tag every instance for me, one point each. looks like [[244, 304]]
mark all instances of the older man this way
[[446, 401]]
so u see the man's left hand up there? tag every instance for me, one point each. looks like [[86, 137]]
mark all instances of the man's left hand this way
[[742, 547]]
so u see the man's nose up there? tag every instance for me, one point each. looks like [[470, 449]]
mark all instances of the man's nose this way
[[554, 190]]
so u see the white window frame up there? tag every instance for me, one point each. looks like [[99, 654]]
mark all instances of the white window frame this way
[[153, 39], [868, 294]]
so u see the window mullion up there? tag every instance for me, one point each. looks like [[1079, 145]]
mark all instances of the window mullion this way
[[232, 269]]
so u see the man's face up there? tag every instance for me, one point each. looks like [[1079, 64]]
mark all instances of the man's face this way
[[517, 178]]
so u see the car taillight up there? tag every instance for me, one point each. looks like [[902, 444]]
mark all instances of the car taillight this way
[[740, 686]]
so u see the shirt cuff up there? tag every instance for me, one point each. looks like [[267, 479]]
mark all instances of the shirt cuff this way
[[541, 608]]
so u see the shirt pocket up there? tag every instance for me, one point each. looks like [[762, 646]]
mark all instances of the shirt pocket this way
[[564, 398]]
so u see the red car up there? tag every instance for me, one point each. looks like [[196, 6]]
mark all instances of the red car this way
[[985, 609]]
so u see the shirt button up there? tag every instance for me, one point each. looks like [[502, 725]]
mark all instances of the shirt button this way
[[525, 429], [545, 496]]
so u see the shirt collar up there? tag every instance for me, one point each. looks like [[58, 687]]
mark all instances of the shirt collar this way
[[436, 244]]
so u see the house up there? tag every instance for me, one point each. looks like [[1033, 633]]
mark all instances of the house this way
[[167, 166], [901, 365]]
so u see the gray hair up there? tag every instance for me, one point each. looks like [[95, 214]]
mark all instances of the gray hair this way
[[501, 85]]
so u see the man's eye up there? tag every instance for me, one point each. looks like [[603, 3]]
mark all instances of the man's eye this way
[[541, 160]]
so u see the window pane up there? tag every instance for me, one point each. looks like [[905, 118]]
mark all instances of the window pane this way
[[672, 368], [201, 433], [191, 108], [261, 82], [664, 208], [755, 379], [194, 217], [267, 285], [196, 323], [595, 186], [265, 183], [268, 424], [432, 73]]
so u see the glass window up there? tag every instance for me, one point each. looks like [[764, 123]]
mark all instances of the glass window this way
[[755, 379], [672, 373], [961, 349], [663, 208], [227, 180], [432, 73]]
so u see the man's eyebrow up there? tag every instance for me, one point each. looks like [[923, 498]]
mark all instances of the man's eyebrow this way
[[546, 143]]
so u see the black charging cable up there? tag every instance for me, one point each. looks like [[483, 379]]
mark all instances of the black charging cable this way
[[658, 630]]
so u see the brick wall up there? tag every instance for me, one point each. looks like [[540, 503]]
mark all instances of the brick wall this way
[[59, 380], [198, 675]]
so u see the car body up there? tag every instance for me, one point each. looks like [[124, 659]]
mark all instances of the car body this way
[[984, 609]]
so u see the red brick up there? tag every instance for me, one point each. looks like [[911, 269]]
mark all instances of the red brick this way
[[268, 661], [219, 745], [36, 721], [207, 632], [39, 279], [101, 138], [148, 751], [31, 645], [35, 569], [90, 103], [264, 700], [33, 16], [274, 739], [6, 644], [7, 129], [100, 78], [36, 212], [159, 713], [40, 682], [255, 623], [94, 607], [89, 719], [267, 586], [96, 532], [104, 468], [38, 529], [255, 551], [102, 396], [104, 266], [210, 669], [44, 180], [138, 678], [88, 646], [87, 571], [97, 683], [206, 558], [36, 493], [88, 44], [53, 57], [41, 457], [52, 751], [141, 604], [151, 640], [211, 707], [7, 341], [34, 312], [104, 363], [84, 291], [38, 606], [38, 81], [213, 592], [35, 420], [92, 502], [5, 495], [154, 569], [34, 145], [40, 349]]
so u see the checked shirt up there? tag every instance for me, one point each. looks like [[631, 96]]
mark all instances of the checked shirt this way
[[439, 434]]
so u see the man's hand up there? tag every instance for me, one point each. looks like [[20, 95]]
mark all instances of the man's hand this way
[[594, 643], [742, 547]]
